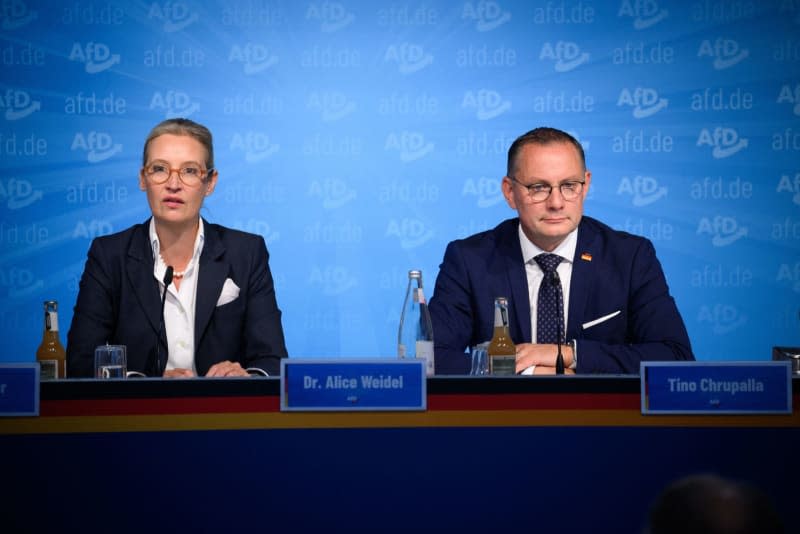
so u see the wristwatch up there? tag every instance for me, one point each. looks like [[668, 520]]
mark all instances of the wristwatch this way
[[572, 343]]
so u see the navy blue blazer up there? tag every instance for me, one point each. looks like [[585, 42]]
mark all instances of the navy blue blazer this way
[[612, 271], [119, 302]]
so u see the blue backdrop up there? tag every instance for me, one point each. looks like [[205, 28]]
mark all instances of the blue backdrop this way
[[360, 137]]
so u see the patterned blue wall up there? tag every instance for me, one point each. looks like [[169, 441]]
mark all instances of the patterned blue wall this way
[[360, 137]]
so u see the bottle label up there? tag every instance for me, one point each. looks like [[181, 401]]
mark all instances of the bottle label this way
[[498, 317], [48, 369], [419, 296], [425, 352], [51, 321], [503, 365]]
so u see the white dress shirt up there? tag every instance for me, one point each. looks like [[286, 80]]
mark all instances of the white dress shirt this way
[[535, 274], [179, 306]]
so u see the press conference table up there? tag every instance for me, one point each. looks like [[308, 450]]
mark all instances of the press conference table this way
[[557, 454]]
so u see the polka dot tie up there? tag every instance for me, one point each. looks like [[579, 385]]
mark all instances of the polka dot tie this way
[[550, 302]]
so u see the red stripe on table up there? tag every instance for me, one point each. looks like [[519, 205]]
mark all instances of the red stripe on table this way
[[261, 404]]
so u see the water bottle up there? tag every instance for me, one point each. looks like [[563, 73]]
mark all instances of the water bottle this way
[[415, 335]]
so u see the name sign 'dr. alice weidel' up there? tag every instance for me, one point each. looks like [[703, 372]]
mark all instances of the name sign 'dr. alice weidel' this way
[[353, 385]]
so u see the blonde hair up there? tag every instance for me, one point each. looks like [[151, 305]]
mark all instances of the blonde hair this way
[[181, 126]]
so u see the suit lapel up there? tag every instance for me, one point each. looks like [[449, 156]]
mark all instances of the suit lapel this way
[[213, 271], [514, 265], [140, 275], [583, 278]]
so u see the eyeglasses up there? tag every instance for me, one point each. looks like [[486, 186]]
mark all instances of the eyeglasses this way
[[191, 175], [539, 192]]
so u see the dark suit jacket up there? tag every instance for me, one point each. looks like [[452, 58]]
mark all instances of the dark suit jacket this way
[[119, 302], [623, 274]]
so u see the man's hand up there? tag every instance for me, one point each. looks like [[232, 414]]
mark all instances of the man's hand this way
[[543, 356], [544, 370]]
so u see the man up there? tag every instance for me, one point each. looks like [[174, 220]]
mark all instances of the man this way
[[616, 304]]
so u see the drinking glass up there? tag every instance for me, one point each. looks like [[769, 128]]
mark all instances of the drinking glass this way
[[110, 361], [480, 360]]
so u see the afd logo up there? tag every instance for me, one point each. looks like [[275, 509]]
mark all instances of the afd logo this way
[[644, 101], [725, 142], [97, 57], [789, 274], [99, 145], [18, 104], [173, 103], [488, 16], [724, 231], [789, 95], [15, 14], [334, 192], [175, 15], [722, 318], [332, 279], [18, 194], [254, 57], [487, 103], [566, 54], [332, 16], [644, 190], [331, 105], [787, 184], [258, 227], [412, 233], [725, 52], [645, 13], [409, 57], [410, 145], [19, 282], [487, 192], [92, 229], [255, 145]]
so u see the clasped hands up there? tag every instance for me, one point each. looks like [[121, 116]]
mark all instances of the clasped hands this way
[[542, 357], [220, 369]]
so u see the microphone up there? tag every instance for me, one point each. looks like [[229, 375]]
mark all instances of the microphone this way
[[167, 281], [556, 281]]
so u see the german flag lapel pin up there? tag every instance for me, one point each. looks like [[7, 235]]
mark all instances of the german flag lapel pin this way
[[586, 256]]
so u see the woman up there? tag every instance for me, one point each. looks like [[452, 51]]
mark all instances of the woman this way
[[220, 316]]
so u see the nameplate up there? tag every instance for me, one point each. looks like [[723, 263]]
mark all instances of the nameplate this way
[[716, 387], [352, 385], [19, 389]]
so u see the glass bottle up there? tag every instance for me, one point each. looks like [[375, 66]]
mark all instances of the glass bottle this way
[[502, 351], [415, 335], [50, 354]]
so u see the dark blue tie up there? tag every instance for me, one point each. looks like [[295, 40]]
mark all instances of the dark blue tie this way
[[549, 328]]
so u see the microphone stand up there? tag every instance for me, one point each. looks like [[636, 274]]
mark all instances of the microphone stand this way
[[560, 322], [167, 281]]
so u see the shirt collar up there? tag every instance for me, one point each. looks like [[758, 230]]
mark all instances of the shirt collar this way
[[566, 249], [160, 267]]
